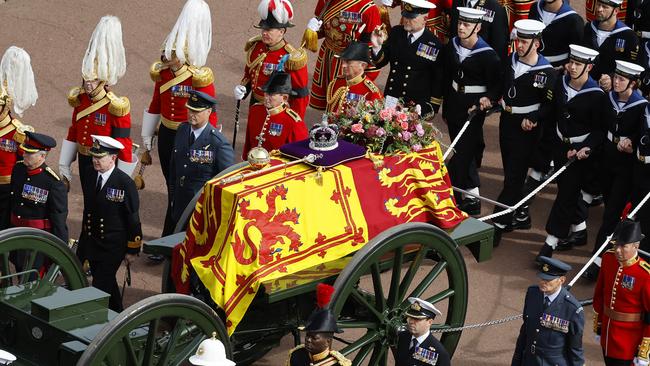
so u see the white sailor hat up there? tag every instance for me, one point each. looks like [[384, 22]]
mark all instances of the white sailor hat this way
[[614, 3], [582, 54], [628, 69], [529, 28], [104, 145], [470, 15], [6, 358], [421, 309], [413, 8]]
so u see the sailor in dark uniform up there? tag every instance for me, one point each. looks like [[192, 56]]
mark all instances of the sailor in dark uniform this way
[[553, 321], [637, 17], [111, 231], [473, 78], [526, 100], [416, 346], [580, 109], [494, 30], [415, 58], [200, 152], [317, 349]]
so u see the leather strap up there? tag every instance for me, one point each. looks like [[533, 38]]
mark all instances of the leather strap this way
[[623, 317]]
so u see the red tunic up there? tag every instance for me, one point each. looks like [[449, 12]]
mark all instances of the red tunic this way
[[104, 115], [625, 289], [341, 22], [283, 126], [10, 140], [341, 92], [169, 97], [262, 60]]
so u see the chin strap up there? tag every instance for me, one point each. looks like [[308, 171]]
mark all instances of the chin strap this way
[[582, 73], [472, 32]]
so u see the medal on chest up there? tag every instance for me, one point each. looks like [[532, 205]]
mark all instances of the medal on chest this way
[[540, 80], [349, 17], [202, 156], [100, 119], [489, 14], [619, 45], [115, 195], [275, 129], [8, 145], [427, 356], [268, 68], [181, 91], [35, 194], [553, 322], [627, 282], [428, 52], [353, 97]]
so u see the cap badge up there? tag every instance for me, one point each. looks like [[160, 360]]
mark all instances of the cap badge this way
[[408, 7], [545, 268], [200, 351], [416, 306]]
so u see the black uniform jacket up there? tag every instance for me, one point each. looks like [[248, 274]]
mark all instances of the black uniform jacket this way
[[39, 195], [567, 27], [621, 44], [552, 336], [480, 68], [192, 166], [416, 68], [494, 28], [643, 145], [535, 86], [111, 221], [430, 352], [583, 114], [623, 121], [637, 17]]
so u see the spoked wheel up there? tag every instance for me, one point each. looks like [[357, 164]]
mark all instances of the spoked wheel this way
[[371, 293], [162, 330], [27, 254]]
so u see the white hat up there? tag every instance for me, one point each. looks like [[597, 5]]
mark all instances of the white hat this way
[[275, 14], [211, 352], [6, 358], [104, 145], [421, 309], [614, 3], [17, 79], [420, 4], [415, 8], [105, 57], [582, 54], [470, 15], [191, 37], [628, 69], [529, 28]]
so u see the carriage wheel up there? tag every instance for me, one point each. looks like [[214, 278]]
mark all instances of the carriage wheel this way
[[38, 253], [371, 293], [162, 330]]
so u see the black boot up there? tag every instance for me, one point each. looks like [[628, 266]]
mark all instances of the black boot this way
[[575, 239], [521, 219], [597, 200], [546, 251], [471, 205]]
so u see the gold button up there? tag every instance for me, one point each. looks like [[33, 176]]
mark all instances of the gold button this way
[[404, 84], [28, 179], [88, 215], [391, 79], [394, 71], [403, 93], [101, 220], [406, 76], [101, 225], [408, 67]]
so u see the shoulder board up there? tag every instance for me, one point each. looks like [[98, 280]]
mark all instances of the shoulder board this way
[[293, 114], [201, 77], [154, 71], [371, 85], [340, 358], [52, 173], [297, 58], [73, 96], [645, 265], [251, 42], [21, 128], [119, 106]]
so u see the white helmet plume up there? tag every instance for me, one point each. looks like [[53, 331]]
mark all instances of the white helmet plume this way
[[17, 79], [191, 37], [282, 10], [105, 57]]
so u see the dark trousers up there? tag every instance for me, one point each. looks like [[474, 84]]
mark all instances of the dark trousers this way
[[616, 362], [569, 184], [166, 138], [641, 187], [517, 149], [5, 205], [543, 154], [85, 165], [463, 165], [104, 272]]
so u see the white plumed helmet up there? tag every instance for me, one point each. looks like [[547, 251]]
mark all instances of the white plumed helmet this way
[[17, 79], [105, 57], [191, 37]]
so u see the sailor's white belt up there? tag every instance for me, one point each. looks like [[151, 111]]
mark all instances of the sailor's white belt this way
[[520, 110], [615, 139], [643, 159], [571, 140], [557, 58], [468, 89], [644, 35]]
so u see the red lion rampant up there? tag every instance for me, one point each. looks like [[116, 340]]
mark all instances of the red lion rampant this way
[[273, 227]]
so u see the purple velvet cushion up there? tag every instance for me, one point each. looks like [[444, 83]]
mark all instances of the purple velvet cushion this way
[[346, 151]]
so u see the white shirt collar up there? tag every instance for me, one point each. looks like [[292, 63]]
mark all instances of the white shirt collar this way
[[420, 339], [197, 132], [417, 34], [105, 176], [554, 295]]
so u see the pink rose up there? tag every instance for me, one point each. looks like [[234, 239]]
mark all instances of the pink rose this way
[[404, 125], [371, 131], [406, 135], [380, 132], [419, 130], [357, 128], [416, 147], [386, 114], [401, 117]]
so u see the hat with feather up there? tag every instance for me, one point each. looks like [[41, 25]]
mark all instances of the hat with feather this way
[[17, 85], [191, 38]]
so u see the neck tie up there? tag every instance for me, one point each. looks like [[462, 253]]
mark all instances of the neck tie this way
[[99, 184], [410, 37], [192, 137], [547, 302], [414, 343]]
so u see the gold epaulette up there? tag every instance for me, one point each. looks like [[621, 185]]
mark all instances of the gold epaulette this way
[[201, 77], [293, 114], [297, 58], [52, 173], [73, 96], [292, 351], [251, 42], [645, 265], [21, 128], [119, 106], [154, 71], [335, 358], [371, 85]]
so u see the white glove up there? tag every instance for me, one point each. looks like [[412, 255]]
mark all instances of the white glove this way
[[240, 92], [65, 171], [640, 362], [418, 109], [387, 2], [597, 338], [147, 141], [150, 123], [314, 24]]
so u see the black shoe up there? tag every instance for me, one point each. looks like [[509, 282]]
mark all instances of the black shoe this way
[[497, 236], [546, 251], [530, 185], [472, 206], [156, 258], [597, 200], [548, 174], [578, 238], [521, 220], [591, 273]]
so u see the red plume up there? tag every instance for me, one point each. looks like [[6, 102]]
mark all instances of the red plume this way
[[323, 294], [626, 210]]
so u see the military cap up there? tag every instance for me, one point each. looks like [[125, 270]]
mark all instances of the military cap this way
[[582, 54], [626, 232], [35, 142], [278, 83], [529, 28], [470, 15], [200, 101], [356, 51], [6, 358], [322, 321], [551, 268], [421, 309], [413, 8], [614, 3], [104, 145], [275, 14], [628, 69]]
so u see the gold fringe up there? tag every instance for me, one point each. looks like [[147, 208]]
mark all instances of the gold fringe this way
[[297, 59], [319, 176], [202, 77], [118, 107], [73, 97], [310, 40], [385, 17]]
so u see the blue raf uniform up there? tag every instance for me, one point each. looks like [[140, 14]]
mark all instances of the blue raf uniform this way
[[196, 159], [552, 330]]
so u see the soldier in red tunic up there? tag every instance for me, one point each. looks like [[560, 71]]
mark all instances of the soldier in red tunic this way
[[353, 86], [622, 299], [339, 22], [180, 70], [17, 92], [97, 110], [272, 124], [265, 52]]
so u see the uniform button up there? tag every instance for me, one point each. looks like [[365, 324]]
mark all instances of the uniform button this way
[[102, 236], [86, 126], [172, 98], [534, 342], [184, 165], [394, 71], [391, 79], [172, 104], [396, 62], [408, 67], [406, 76], [404, 84], [28, 179], [22, 204], [101, 220], [403, 93], [175, 150], [172, 114], [18, 216], [101, 225], [390, 88], [537, 330], [101, 231]]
